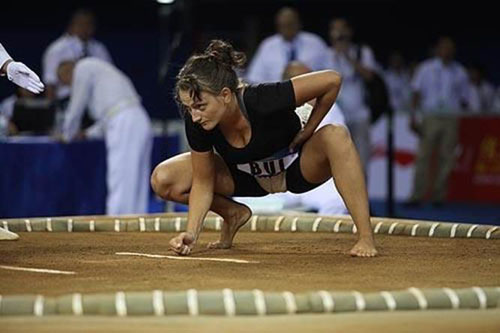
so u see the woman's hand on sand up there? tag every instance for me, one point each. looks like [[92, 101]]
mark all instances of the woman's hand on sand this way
[[183, 243]]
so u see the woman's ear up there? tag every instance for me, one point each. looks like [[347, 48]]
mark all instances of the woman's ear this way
[[226, 94]]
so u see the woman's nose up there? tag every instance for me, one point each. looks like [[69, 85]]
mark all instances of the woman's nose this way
[[195, 116]]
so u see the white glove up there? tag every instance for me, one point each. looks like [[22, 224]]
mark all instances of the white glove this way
[[24, 77]]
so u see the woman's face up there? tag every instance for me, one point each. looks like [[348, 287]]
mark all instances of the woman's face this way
[[207, 111]]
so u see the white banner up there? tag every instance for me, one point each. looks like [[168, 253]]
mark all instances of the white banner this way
[[405, 151]]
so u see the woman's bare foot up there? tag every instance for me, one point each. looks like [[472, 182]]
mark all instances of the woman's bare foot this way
[[230, 227], [365, 247]]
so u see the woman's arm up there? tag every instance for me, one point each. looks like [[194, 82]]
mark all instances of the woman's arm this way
[[324, 86], [202, 190], [200, 200]]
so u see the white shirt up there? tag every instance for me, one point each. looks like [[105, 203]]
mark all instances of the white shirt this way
[[496, 102], [68, 47], [273, 55], [399, 87], [100, 86], [352, 93], [6, 111], [4, 56], [334, 116], [442, 88], [481, 97], [7, 106]]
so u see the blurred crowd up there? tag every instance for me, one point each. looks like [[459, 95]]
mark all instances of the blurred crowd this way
[[435, 92], [355, 61], [80, 77]]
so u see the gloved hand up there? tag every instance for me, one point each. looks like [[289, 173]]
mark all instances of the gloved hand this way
[[24, 77]]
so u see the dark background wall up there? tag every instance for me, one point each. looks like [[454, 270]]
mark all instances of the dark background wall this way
[[139, 33]]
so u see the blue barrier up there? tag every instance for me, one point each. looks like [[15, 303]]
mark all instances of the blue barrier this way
[[40, 177]]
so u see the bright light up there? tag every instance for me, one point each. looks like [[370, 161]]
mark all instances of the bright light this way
[[165, 2]]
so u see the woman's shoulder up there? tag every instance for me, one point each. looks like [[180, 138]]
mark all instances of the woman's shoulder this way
[[266, 87], [269, 96]]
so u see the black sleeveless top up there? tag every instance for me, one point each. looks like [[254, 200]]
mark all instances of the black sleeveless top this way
[[270, 110]]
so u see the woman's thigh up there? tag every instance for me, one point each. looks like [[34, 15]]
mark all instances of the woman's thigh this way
[[177, 174], [319, 152]]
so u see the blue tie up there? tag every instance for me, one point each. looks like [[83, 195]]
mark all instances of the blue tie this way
[[293, 53]]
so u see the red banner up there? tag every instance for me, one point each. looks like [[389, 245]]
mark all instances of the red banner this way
[[476, 176]]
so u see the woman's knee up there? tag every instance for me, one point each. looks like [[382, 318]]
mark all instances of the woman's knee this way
[[172, 178], [335, 135], [162, 181]]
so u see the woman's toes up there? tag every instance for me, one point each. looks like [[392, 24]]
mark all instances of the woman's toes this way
[[218, 245]]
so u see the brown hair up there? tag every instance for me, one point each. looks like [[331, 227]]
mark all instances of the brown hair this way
[[210, 71]]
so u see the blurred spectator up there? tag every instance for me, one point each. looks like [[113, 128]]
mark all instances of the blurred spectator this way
[[496, 101], [481, 93], [397, 78], [440, 88], [76, 43], [6, 111], [25, 113], [288, 44], [356, 63], [116, 107], [325, 199]]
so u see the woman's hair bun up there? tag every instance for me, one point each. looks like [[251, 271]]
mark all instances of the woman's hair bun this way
[[224, 53]]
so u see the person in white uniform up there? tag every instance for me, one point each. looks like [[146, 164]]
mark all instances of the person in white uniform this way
[[481, 94], [290, 43], [398, 80], [495, 108], [24, 77], [76, 43], [116, 107], [440, 87], [355, 63]]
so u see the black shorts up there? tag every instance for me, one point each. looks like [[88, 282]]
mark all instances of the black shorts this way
[[245, 184]]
